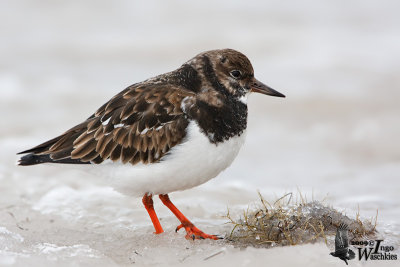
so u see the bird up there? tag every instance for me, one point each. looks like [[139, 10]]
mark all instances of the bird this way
[[342, 250], [168, 133]]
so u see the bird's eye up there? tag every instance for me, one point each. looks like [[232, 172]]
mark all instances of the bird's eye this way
[[236, 74]]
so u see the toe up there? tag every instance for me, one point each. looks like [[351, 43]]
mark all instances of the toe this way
[[178, 228], [200, 235]]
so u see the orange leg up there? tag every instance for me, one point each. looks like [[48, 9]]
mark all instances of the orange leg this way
[[148, 204], [192, 232]]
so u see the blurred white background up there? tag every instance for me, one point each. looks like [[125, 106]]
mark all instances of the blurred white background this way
[[336, 135]]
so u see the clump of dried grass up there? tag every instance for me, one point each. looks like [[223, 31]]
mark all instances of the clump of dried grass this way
[[293, 222]]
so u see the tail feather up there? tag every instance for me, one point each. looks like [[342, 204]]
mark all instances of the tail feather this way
[[33, 159], [61, 142], [40, 148], [56, 150]]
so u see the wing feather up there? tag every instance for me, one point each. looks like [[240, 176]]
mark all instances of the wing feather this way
[[140, 124]]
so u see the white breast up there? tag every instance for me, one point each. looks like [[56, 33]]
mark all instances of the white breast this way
[[189, 164]]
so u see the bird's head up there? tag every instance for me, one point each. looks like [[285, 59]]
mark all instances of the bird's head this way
[[231, 71]]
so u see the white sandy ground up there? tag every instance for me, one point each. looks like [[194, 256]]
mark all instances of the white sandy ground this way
[[336, 135]]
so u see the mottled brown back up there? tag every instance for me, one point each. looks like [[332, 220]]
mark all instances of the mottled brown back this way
[[140, 124]]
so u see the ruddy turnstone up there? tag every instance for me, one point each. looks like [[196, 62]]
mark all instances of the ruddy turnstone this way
[[171, 132]]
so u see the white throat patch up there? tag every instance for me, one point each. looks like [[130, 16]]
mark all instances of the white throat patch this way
[[243, 98]]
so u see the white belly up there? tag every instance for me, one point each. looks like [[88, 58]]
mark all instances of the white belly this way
[[189, 164]]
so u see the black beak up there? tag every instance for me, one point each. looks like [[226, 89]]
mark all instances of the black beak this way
[[259, 87]]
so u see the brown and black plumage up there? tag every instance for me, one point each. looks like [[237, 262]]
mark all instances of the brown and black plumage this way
[[140, 124], [144, 121], [168, 133]]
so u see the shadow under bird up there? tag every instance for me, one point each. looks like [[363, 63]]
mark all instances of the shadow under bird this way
[[342, 250], [168, 133]]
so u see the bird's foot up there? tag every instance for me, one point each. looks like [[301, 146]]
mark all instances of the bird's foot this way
[[192, 232]]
